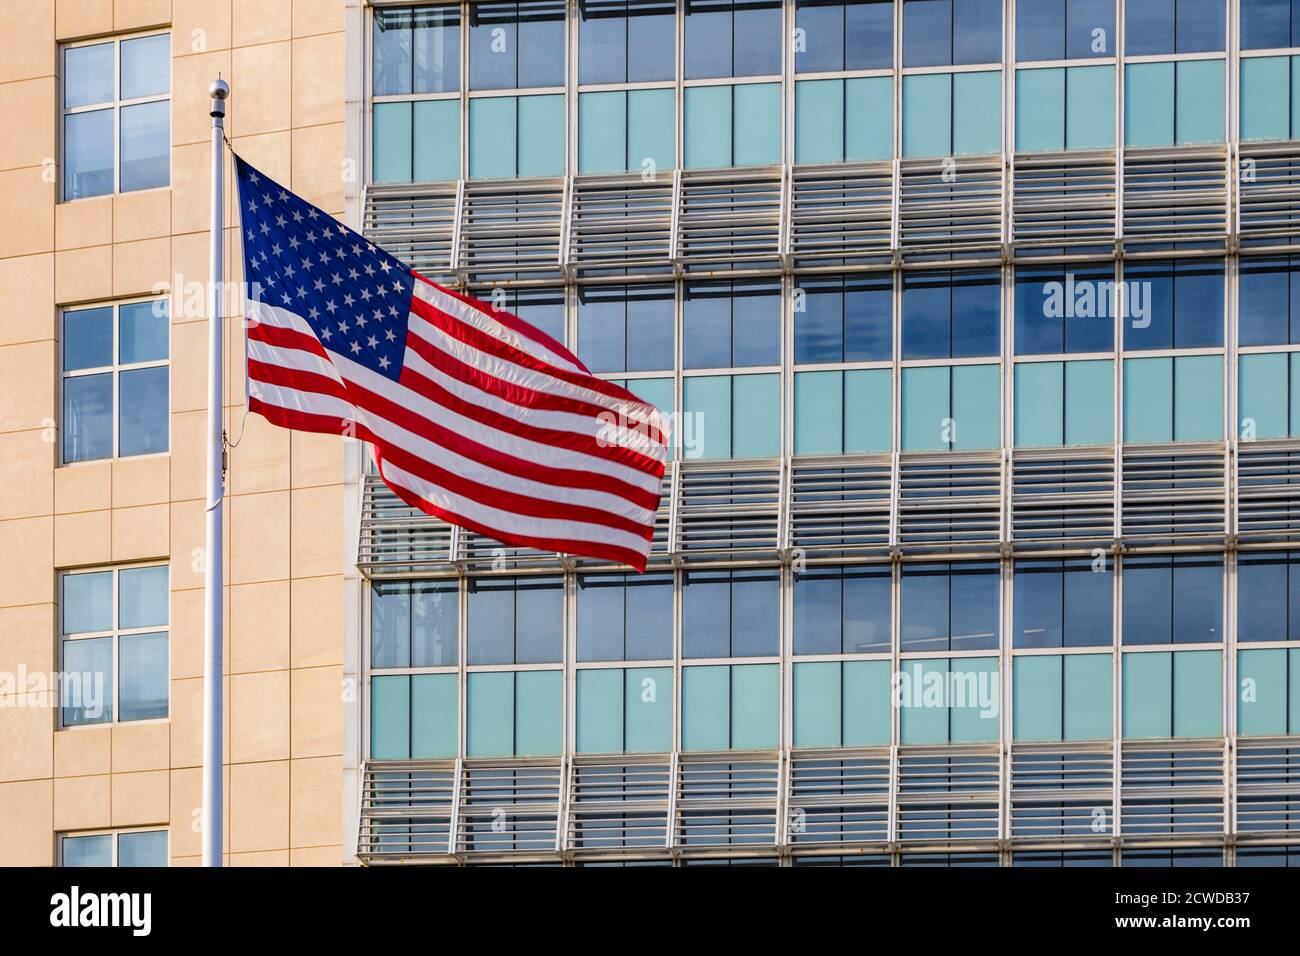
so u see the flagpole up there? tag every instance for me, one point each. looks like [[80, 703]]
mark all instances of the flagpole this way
[[213, 572]]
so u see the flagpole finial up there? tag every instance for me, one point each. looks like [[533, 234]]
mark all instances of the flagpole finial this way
[[219, 90]]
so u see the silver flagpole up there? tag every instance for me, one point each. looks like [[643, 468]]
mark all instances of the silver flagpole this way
[[213, 574]]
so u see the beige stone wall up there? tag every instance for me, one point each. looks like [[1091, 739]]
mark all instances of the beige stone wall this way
[[284, 60]]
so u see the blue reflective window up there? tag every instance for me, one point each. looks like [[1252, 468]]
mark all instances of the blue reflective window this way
[[951, 32], [78, 851], [727, 324], [145, 848], [1269, 24], [951, 314], [1064, 29], [844, 319], [625, 328], [119, 137], [541, 308], [1176, 600], [1155, 27], [839, 36], [1064, 311], [516, 45], [625, 617], [949, 607], [730, 614], [146, 66], [516, 620], [1268, 596], [87, 154], [626, 42], [1269, 301], [1184, 302], [124, 414], [413, 624], [842, 610], [1062, 604], [723, 38], [142, 411], [416, 50]]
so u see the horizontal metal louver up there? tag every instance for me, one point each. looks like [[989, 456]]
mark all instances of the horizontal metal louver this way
[[1268, 786], [1062, 793], [949, 501], [1170, 788], [620, 222], [407, 809], [414, 222], [730, 218], [728, 510], [511, 229], [508, 806], [950, 209], [1175, 196], [1173, 491], [838, 797], [1268, 195], [1063, 200], [1268, 490], [841, 214], [1062, 498], [619, 802], [726, 800], [948, 794], [396, 538], [840, 506]]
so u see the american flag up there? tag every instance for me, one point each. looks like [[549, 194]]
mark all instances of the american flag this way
[[475, 416]]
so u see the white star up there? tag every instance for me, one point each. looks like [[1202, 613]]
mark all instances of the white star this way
[[294, 243], [330, 307], [383, 264], [314, 313], [336, 278], [390, 335], [319, 285], [325, 333], [348, 300], [297, 216], [281, 221], [252, 177], [372, 341], [356, 347], [265, 228], [370, 270], [384, 363], [365, 295]]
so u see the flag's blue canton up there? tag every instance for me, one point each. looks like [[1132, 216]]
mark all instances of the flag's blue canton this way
[[355, 297]]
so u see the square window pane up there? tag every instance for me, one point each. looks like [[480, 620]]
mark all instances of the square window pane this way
[[822, 32], [1200, 27], [601, 617], [436, 42], [923, 615], [706, 614], [1149, 27], [146, 66], [142, 331], [1090, 28], [142, 663], [391, 52], [143, 415], [390, 617], [869, 35], [541, 43], [86, 688], [142, 849], [649, 600], [977, 31], [707, 39], [1039, 34], [493, 42], [1265, 24], [1038, 604], [87, 338], [434, 613], [868, 319], [491, 621], [88, 417], [653, 55], [146, 151], [602, 327], [755, 614], [818, 612], [602, 43], [650, 329], [539, 621], [87, 75], [927, 33], [87, 602], [81, 851], [88, 154], [867, 610], [142, 597], [757, 39]]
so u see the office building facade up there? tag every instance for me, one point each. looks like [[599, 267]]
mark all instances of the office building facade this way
[[974, 322]]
